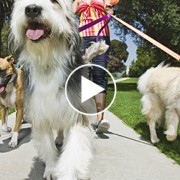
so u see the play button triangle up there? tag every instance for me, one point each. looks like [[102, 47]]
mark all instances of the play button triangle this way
[[89, 89]]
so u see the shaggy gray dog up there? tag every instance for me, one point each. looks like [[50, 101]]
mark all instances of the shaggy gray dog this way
[[47, 35]]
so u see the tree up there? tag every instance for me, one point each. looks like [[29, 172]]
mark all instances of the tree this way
[[119, 50], [159, 19], [145, 60], [5, 11], [118, 56], [4, 40]]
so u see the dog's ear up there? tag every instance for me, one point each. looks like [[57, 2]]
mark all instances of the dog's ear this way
[[10, 59]]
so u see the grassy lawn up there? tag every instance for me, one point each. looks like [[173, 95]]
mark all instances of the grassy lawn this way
[[127, 107]]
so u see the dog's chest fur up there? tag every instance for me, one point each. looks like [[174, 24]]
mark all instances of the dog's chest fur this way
[[8, 98], [48, 102]]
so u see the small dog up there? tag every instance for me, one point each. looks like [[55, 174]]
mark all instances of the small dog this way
[[11, 92], [47, 34], [160, 87]]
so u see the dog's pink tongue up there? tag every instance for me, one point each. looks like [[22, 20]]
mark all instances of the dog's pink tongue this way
[[2, 89], [34, 34]]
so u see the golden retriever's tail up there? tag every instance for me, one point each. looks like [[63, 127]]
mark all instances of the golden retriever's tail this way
[[143, 80], [162, 65]]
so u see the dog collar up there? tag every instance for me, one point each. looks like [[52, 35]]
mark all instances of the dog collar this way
[[17, 65]]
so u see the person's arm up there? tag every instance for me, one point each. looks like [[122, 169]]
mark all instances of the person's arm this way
[[75, 5], [108, 7]]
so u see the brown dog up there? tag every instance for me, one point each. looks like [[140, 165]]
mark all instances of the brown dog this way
[[11, 92]]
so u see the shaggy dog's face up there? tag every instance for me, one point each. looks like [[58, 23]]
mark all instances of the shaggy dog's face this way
[[39, 20]]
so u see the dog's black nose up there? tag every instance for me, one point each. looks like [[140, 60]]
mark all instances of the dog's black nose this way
[[33, 10]]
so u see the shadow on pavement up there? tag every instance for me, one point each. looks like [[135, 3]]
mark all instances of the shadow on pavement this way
[[102, 136], [129, 138], [24, 137], [168, 146], [37, 170]]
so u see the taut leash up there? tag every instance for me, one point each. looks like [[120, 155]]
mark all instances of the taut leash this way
[[151, 40]]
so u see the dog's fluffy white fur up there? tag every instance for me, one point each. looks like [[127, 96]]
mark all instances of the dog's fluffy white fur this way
[[160, 87], [95, 49], [48, 60]]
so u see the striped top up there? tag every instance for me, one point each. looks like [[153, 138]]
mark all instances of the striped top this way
[[89, 13]]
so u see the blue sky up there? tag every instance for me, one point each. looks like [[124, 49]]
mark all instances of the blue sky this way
[[131, 46]]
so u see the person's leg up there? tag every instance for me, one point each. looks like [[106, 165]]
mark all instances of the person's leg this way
[[102, 124], [100, 104], [99, 77]]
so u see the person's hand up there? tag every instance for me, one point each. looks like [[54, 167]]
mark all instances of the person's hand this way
[[109, 8]]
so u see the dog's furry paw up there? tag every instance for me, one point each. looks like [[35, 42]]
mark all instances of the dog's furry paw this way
[[14, 140], [170, 136], [154, 140], [48, 174], [12, 144]]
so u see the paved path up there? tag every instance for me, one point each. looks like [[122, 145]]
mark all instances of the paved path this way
[[120, 154], [118, 80]]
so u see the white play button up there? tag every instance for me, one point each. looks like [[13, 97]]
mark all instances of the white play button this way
[[90, 87], [79, 90]]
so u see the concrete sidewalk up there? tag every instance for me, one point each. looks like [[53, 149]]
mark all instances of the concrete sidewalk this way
[[118, 80], [120, 154]]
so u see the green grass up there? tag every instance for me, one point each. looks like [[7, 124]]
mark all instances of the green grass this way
[[127, 107], [10, 111]]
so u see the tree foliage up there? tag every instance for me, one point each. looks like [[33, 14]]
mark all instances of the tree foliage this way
[[159, 19], [119, 50], [145, 60], [118, 56], [4, 40], [5, 11]]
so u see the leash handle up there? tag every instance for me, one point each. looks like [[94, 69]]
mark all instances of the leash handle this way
[[151, 40]]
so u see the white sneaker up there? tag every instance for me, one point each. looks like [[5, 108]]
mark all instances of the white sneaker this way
[[103, 126]]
